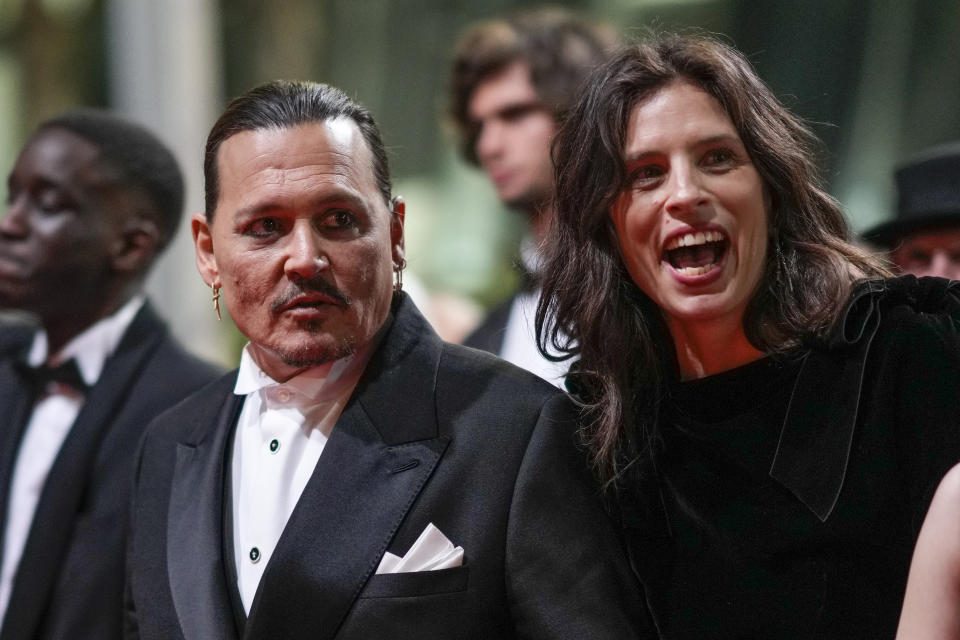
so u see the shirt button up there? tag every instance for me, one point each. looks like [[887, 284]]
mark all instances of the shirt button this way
[[254, 555], [274, 445], [283, 395]]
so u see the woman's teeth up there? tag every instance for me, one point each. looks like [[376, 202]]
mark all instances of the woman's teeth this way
[[697, 252], [695, 271], [692, 239]]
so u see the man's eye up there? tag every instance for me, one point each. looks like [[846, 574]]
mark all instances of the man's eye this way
[[50, 201], [518, 112], [264, 227], [343, 219]]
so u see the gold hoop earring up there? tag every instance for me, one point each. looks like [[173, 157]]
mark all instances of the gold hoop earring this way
[[398, 275], [216, 301]]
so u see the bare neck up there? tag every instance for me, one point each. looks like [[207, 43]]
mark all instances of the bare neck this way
[[62, 327], [704, 349]]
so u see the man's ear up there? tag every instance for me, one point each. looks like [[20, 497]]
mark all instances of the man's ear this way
[[203, 245], [135, 246], [397, 213]]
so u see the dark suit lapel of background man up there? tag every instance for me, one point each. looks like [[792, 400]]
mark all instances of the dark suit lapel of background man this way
[[356, 477], [92, 201], [513, 80]]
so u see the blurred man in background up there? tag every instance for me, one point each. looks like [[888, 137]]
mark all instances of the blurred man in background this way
[[924, 237], [513, 80], [92, 201]]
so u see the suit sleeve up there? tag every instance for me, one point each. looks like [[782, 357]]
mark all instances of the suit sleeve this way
[[567, 573], [131, 630]]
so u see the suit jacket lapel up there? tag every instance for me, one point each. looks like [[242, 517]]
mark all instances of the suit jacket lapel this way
[[381, 453], [229, 559], [66, 484], [195, 524], [16, 402]]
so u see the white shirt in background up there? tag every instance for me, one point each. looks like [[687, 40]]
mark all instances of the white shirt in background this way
[[53, 415], [520, 335], [520, 341]]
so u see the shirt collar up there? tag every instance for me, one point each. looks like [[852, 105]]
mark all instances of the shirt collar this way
[[92, 346], [531, 258], [318, 383]]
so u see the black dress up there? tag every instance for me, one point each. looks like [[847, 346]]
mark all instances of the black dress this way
[[784, 497]]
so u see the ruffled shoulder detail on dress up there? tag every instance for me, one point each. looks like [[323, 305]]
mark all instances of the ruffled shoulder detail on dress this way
[[814, 448], [870, 300]]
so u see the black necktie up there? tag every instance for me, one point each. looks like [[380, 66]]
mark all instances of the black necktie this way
[[66, 373]]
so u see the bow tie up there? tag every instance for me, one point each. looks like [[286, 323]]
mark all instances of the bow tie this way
[[65, 373]]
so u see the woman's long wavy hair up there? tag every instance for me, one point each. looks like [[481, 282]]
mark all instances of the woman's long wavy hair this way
[[590, 306]]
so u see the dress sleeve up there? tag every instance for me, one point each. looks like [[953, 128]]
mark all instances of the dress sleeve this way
[[925, 360]]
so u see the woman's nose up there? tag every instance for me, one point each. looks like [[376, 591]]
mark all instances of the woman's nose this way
[[685, 191]]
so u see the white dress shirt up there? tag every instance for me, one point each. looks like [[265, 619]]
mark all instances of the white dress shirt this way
[[281, 432], [520, 335], [53, 415], [520, 341]]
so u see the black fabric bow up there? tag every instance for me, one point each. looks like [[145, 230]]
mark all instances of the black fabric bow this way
[[868, 300], [817, 434], [66, 373]]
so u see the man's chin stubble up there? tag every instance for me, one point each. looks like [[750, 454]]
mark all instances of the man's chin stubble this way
[[306, 356], [528, 204]]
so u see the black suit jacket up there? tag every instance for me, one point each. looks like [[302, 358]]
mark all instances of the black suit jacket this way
[[489, 334], [433, 433], [69, 584]]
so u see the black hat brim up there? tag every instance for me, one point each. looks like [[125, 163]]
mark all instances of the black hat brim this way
[[886, 234]]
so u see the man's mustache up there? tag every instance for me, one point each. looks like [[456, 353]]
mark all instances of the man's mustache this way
[[305, 286]]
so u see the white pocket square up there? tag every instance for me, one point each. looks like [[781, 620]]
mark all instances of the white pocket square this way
[[430, 552]]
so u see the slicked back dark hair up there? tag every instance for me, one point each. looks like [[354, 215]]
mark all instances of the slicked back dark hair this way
[[560, 48], [588, 293], [137, 156], [284, 104]]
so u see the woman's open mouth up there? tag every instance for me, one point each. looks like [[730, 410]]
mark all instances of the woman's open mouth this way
[[696, 253]]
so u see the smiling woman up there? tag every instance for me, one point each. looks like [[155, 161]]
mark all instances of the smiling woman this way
[[692, 224], [744, 368]]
